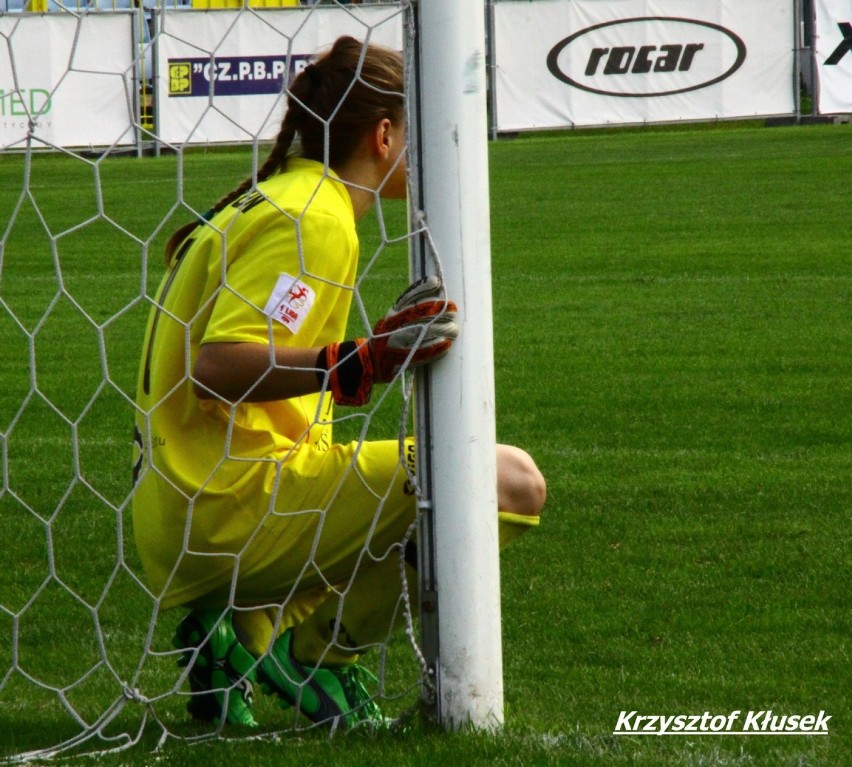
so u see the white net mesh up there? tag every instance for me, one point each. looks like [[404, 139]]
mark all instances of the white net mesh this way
[[86, 654]]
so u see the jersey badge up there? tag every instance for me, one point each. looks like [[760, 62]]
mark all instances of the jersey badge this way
[[290, 302]]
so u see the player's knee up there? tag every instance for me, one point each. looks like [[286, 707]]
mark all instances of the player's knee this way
[[534, 492], [521, 486]]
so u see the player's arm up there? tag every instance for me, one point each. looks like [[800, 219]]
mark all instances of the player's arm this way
[[247, 372], [419, 328]]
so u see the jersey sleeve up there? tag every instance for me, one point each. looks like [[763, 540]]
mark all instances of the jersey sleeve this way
[[290, 284]]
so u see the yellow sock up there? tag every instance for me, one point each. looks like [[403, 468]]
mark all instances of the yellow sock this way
[[334, 635], [256, 627], [512, 526]]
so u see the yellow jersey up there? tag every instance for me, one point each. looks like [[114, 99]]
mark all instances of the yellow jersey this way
[[277, 267]]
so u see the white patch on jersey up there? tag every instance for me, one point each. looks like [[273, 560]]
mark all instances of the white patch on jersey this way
[[290, 302]]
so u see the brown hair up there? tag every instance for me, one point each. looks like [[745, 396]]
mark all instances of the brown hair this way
[[331, 104]]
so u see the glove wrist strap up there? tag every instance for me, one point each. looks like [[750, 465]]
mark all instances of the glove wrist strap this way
[[350, 371]]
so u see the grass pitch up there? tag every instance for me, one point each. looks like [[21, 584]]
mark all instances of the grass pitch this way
[[673, 340]]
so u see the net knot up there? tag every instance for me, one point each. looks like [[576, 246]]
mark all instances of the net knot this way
[[134, 695]]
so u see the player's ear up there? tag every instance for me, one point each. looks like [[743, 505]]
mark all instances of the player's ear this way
[[381, 138]]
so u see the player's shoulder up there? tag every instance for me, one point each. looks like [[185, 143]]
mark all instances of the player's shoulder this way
[[308, 188]]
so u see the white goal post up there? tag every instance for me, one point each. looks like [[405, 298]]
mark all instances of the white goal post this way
[[459, 561]]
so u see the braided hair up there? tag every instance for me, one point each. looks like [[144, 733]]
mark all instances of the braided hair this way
[[331, 104]]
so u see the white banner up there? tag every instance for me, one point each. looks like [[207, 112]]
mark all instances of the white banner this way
[[833, 55], [222, 72], [70, 80], [586, 62]]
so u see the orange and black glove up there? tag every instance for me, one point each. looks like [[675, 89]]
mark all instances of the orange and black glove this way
[[420, 327]]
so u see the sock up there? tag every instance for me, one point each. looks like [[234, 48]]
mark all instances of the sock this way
[[512, 526]]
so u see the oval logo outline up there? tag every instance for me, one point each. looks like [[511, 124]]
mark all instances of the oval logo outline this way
[[553, 55]]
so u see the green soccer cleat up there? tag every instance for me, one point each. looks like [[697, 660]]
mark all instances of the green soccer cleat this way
[[332, 695], [222, 674]]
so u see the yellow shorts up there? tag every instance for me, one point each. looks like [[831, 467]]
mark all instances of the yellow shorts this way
[[285, 530], [323, 511]]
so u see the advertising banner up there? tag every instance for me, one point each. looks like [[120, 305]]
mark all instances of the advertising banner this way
[[833, 55], [584, 62], [222, 72], [70, 83]]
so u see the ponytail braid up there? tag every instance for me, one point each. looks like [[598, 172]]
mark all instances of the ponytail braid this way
[[273, 164]]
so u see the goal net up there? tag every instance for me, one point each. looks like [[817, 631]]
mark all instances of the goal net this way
[[111, 147]]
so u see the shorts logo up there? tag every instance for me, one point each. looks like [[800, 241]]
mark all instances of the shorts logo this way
[[290, 302]]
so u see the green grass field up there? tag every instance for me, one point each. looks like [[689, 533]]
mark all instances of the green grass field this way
[[673, 341]]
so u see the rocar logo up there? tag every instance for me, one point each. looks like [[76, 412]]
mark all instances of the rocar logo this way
[[649, 56]]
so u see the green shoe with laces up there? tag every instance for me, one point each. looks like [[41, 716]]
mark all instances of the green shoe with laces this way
[[222, 670], [332, 695]]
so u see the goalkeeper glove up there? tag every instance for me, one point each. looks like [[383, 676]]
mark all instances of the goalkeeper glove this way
[[420, 327]]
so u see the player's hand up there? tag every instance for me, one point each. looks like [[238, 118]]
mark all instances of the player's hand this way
[[419, 328]]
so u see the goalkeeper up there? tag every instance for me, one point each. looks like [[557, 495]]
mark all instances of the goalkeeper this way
[[242, 499]]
